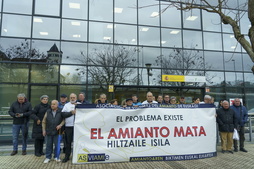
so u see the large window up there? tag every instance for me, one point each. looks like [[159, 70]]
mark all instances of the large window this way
[[20, 6], [75, 9], [101, 10], [125, 11], [74, 30], [15, 73], [47, 7], [12, 22]]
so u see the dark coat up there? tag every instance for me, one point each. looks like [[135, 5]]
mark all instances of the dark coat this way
[[52, 122], [226, 120], [25, 109], [241, 114], [38, 114]]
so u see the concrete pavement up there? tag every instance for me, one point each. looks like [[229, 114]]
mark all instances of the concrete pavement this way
[[239, 160]]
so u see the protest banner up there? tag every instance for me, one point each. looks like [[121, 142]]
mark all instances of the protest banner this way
[[104, 133]]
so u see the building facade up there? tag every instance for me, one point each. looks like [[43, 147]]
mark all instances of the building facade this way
[[64, 46]]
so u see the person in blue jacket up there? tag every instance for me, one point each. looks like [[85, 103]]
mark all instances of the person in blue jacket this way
[[242, 116]]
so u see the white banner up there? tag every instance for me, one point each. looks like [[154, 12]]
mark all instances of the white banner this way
[[144, 134]]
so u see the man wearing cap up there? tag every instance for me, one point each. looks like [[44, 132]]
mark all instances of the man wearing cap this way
[[20, 110], [62, 101], [129, 102]]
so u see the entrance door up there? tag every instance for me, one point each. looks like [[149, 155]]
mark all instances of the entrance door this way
[[36, 91]]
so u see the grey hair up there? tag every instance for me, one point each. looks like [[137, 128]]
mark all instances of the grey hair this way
[[21, 95], [207, 97], [172, 97], [82, 93], [225, 101], [43, 96]]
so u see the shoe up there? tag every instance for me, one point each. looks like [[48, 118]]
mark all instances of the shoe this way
[[231, 152], [65, 160], [57, 160], [235, 150], [37, 154], [243, 149], [14, 153], [46, 161], [42, 153], [223, 151], [24, 152]]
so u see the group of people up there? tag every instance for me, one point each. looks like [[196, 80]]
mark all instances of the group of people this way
[[56, 118]]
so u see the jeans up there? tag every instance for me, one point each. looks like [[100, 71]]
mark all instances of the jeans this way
[[15, 135], [50, 140]]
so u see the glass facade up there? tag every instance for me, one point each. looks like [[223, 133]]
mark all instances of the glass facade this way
[[86, 45]]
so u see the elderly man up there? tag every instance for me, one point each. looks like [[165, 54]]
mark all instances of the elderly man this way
[[149, 97], [242, 116], [227, 121], [20, 110], [68, 113]]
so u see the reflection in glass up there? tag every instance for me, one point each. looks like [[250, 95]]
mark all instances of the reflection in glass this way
[[74, 30], [233, 61], [183, 60], [191, 19], [234, 92], [213, 60], [14, 73], [211, 21], [38, 91], [44, 74], [248, 79], [12, 22], [122, 37], [111, 64], [247, 63], [42, 7], [171, 17], [212, 41], [74, 53], [192, 39], [171, 38], [41, 28], [249, 97], [149, 36], [68, 89], [9, 94], [151, 78], [75, 9], [148, 14], [215, 79], [234, 79], [20, 6], [245, 24], [125, 11], [230, 43], [73, 74], [149, 55], [101, 10], [217, 92], [47, 51], [100, 32]]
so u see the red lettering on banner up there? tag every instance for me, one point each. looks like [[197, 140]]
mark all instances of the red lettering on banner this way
[[122, 134], [139, 133], [181, 132], [164, 135], [94, 133], [112, 133], [202, 131]]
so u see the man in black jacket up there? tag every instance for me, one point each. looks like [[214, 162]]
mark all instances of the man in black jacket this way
[[227, 122], [20, 110]]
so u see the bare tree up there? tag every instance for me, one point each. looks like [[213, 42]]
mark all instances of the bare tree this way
[[109, 65], [219, 9], [183, 62]]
